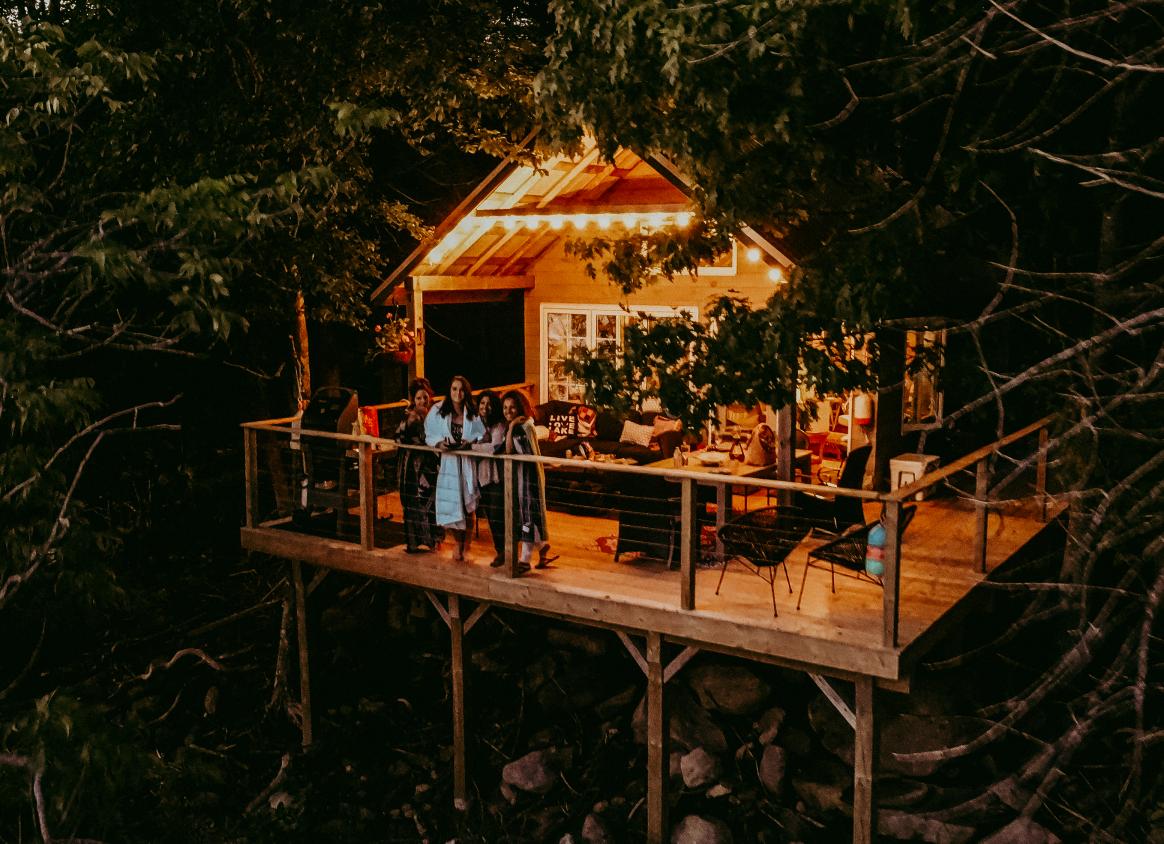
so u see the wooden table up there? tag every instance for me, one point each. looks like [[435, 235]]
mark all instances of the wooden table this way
[[734, 469]]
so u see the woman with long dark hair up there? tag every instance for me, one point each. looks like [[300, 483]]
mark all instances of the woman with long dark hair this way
[[416, 472], [452, 426], [520, 438], [489, 480]]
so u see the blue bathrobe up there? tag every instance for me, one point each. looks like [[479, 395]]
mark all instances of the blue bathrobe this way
[[456, 489]]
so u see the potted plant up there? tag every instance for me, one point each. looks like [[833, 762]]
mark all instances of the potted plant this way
[[394, 338]]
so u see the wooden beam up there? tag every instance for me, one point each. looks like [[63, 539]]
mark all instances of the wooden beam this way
[[891, 578], [676, 665], [476, 615], [304, 669], [457, 638], [657, 767], [864, 759], [834, 697], [633, 650], [437, 283], [981, 512], [440, 608], [688, 542], [583, 162]]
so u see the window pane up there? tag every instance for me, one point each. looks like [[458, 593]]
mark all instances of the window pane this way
[[606, 326], [556, 326], [578, 325]]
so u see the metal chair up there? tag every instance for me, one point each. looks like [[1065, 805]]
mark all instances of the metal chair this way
[[848, 552], [762, 540]]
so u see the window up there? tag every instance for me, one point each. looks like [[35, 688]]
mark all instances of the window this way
[[921, 402], [599, 328]]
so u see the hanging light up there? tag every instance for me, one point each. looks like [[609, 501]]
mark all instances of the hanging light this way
[[753, 254], [776, 275]]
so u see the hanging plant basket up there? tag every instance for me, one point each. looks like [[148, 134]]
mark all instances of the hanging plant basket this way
[[393, 339], [402, 355]]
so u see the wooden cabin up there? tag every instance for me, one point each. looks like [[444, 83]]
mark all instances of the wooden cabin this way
[[504, 246]]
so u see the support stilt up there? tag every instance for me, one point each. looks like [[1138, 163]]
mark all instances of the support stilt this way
[[864, 758], [304, 672], [656, 743], [457, 636]]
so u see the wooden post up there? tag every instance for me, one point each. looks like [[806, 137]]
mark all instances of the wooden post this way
[[656, 743], [304, 672], [785, 452], [416, 311], [723, 499], [688, 542], [891, 579], [251, 471], [508, 491], [457, 635], [1041, 472], [981, 513], [864, 759], [367, 499]]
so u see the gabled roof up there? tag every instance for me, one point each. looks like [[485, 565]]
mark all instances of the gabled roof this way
[[519, 212]]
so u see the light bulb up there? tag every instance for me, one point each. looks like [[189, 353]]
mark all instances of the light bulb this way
[[753, 254], [776, 274], [683, 219]]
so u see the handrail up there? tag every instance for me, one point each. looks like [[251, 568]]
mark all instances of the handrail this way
[[931, 478]]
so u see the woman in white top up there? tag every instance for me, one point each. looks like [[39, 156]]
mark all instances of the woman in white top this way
[[451, 426]]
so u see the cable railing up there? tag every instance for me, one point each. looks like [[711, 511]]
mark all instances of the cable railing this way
[[345, 487]]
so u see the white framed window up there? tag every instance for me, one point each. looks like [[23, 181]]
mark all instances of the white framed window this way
[[921, 399], [566, 328]]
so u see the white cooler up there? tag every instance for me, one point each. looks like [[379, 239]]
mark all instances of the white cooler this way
[[904, 469]]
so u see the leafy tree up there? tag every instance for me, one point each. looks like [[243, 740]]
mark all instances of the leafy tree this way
[[989, 169]]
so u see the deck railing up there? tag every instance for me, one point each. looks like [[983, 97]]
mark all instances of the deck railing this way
[[274, 453]]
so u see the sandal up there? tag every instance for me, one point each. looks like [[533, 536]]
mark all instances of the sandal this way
[[544, 558], [498, 562]]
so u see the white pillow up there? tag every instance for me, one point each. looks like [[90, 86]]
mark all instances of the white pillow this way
[[633, 432], [542, 431]]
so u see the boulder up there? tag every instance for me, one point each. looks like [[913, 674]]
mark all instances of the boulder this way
[[729, 688], [696, 829], [616, 703], [579, 639], [906, 827], [769, 724], [719, 790], [823, 785], [595, 831], [674, 765], [1022, 831], [688, 724], [772, 767], [536, 772], [699, 768]]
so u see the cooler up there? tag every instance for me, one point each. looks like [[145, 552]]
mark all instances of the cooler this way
[[904, 469]]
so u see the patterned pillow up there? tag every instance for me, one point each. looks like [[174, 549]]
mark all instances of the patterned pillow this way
[[562, 425], [663, 425], [633, 432], [586, 416]]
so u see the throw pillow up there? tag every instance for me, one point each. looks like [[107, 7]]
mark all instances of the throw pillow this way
[[542, 431], [562, 425], [633, 432], [586, 416], [663, 425]]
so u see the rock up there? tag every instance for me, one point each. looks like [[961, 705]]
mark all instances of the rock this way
[[796, 741], [280, 800], [689, 726], [617, 703], [822, 785], [719, 790], [899, 734], [594, 831], [906, 827], [568, 838], [535, 772], [772, 766], [1022, 831], [674, 765], [508, 793], [915, 733], [769, 724], [696, 829], [699, 768], [728, 688], [579, 639]]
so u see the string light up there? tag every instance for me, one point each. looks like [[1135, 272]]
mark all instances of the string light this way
[[753, 254], [776, 274]]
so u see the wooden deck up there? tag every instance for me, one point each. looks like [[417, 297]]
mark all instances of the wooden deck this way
[[836, 634]]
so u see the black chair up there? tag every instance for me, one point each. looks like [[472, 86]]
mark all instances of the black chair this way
[[834, 514], [762, 540], [648, 515], [847, 552]]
